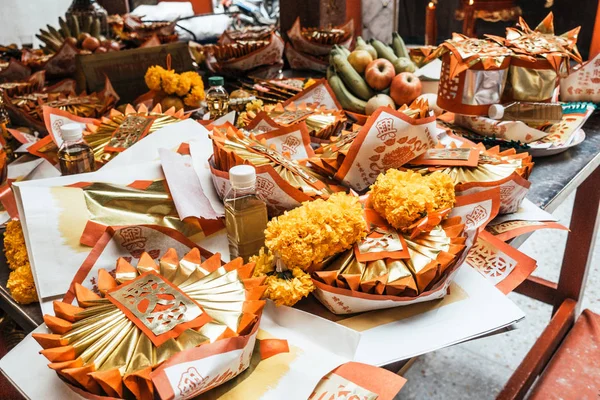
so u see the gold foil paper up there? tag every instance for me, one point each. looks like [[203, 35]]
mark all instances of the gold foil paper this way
[[116, 205], [107, 340], [430, 254], [99, 134], [235, 148]]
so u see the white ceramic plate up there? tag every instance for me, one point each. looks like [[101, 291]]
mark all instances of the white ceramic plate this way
[[578, 137]]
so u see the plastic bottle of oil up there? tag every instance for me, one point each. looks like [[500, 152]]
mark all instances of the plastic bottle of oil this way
[[217, 98], [245, 213], [533, 113], [74, 155]]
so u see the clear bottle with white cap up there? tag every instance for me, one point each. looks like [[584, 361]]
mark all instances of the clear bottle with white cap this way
[[245, 213], [74, 155], [531, 113]]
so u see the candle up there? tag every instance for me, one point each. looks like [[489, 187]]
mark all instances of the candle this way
[[430, 25], [469, 20]]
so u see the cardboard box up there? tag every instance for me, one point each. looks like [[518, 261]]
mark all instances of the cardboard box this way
[[126, 69]]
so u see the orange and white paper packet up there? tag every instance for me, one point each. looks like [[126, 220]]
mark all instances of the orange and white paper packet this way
[[293, 140], [318, 94], [389, 139]]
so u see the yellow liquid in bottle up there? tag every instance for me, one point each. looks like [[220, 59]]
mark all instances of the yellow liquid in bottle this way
[[246, 221], [217, 106], [76, 159]]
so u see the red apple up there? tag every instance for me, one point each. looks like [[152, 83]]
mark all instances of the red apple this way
[[405, 88], [379, 74]]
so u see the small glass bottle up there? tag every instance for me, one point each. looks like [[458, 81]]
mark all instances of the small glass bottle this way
[[217, 98], [532, 113], [74, 155], [245, 213]]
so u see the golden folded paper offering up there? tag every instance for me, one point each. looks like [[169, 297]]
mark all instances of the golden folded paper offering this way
[[233, 148], [321, 122], [110, 135], [112, 341], [540, 58], [493, 165], [398, 265]]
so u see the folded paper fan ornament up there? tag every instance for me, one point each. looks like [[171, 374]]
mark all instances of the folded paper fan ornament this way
[[507, 169], [115, 133], [111, 342], [234, 148]]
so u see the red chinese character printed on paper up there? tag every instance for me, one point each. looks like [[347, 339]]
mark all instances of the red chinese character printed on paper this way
[[385, 129]]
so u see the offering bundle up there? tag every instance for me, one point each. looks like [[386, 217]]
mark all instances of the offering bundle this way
[[119, 341], [133, 31], [283, 182], [474, 169], [113, 134], [28, 108], [244, 55], [474, 73], [539, 59], [322, 122], [308, 47]]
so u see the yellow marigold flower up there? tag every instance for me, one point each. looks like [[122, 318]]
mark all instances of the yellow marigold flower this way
[[14, 245], [195, 97], [170, 81], [443, 190], [183, 86], [309, 83], [194, 77], [289, 287], [402, 197], [264, 263], [153, 77], [21, 286], [316, 230], [255, 106]]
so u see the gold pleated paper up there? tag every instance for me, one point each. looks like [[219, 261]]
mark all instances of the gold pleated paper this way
[[321, 122], [494, 165], [430, 255], [234, 148], [99, 134], [105, 351]]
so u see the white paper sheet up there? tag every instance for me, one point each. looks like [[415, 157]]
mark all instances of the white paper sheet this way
[[527, 212]]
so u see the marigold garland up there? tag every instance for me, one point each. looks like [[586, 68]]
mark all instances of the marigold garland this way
[[285, 287], [318, 229], [187, 85], [402, 197], [20, 281]]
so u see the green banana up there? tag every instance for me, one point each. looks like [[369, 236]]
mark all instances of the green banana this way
[[74, 26], [64, 27], [95, 31], [343, 50], [87, 24], [399, 47], [383, 50], [330, 71], [54, 32], [347, 100], [351, 78], [360, 41]]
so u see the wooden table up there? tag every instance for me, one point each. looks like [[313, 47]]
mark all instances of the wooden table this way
[[553, 179]]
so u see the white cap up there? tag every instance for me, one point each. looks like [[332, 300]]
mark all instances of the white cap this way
[[71, 132], [496, 111], [242, 176]]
